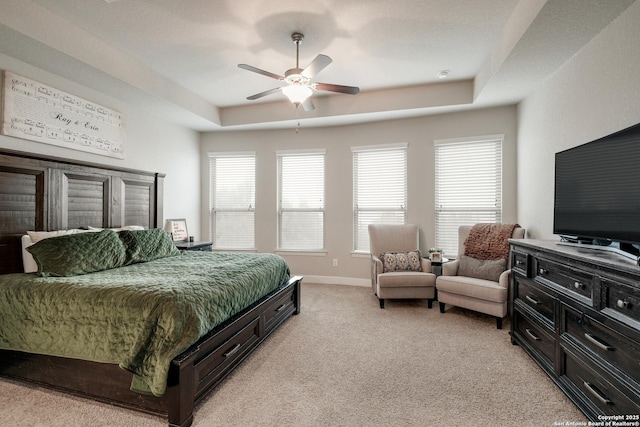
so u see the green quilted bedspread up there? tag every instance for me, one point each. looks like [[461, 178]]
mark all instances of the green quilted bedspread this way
[[140, 316]]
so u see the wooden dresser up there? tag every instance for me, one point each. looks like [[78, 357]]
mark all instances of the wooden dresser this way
[[576, 312]]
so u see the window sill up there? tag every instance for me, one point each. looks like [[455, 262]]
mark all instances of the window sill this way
[[360, 255], [300, 252]]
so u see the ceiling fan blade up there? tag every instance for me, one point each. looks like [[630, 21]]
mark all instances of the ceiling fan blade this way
[[318, 64], [265, 93], [351, 90], [308, 105], [259, 71]]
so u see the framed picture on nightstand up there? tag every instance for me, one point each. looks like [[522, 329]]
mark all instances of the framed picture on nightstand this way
[[178, 229]]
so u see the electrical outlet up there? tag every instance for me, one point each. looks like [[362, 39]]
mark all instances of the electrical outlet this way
[[335, 262]]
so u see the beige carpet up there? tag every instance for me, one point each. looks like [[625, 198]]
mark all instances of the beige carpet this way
[[345, 362]]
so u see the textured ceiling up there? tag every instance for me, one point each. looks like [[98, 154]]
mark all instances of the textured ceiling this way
[[179, 58]]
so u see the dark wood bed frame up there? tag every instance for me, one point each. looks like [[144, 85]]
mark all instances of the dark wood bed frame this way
[[46, 193]]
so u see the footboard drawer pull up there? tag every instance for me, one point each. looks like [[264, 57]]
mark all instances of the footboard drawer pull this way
[[233, 351], [532, 335], [598, 342], [596, 393], [532, 300], [282, 307]]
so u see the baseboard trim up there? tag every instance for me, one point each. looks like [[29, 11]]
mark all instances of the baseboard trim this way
[[336, 280]]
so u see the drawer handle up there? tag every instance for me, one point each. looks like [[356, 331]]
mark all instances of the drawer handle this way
[[532, 335], [233, 351], [598, 395], [622, 303], [519, 262], [578, 285], [281, 307], [542, 271], [598, 342], [532, 300]]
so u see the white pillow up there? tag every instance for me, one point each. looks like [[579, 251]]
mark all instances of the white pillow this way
[[28, 263], [36, 236]]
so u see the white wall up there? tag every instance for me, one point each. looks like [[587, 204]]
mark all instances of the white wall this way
[[594, 94], [419, 133], [151, 145]]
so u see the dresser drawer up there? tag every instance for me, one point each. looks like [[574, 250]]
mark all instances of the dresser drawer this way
[[536, 298], [614, 348], [578, 282], [604, 392], [622, 299], [536, 336], [520, 262], [205, 248]]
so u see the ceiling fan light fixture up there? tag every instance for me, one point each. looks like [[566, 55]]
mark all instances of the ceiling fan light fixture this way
[[297, 94], [299, 80]]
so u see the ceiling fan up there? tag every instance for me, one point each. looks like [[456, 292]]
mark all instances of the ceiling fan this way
[[299, 86]]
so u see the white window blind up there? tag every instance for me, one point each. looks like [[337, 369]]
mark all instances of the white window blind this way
[[301, 200], [379, 189], [232, 186], [468, 186]]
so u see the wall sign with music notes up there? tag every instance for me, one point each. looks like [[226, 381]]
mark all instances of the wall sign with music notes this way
[[34, 111]]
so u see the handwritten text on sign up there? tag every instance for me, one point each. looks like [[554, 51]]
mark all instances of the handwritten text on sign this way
[[37, 112]]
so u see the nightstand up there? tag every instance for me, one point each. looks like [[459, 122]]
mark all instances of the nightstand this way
[[194, 246], [437, 266]]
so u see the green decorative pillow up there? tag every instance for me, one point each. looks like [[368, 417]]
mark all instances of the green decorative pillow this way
[[147, 245], [81, 253], [481, 269], [401, 261]]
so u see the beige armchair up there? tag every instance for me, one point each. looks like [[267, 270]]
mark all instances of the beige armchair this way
[[401, 273], [477, 285]]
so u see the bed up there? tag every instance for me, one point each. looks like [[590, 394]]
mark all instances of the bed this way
[[52, 194]]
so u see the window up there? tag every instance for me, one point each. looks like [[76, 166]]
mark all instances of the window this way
[[232, 186], [301, 200], [379, 189], [468, 186]]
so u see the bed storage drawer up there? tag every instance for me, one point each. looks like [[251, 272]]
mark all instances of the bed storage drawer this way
[[279, 310], [212, 367]]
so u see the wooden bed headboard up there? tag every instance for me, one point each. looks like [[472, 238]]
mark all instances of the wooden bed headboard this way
[[47, 193]]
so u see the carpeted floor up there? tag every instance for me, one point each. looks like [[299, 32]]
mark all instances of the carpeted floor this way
[[345, 362]]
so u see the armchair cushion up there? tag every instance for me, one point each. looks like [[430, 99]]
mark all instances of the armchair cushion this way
[[474, 288], [481, 269], [401, 261], [406, 279]]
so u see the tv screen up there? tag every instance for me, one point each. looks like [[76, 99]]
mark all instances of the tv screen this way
[[597, 189]]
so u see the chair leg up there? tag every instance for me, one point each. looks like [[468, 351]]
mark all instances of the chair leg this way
[[441, 307], [381, 302], [430, 303], [499, 322]]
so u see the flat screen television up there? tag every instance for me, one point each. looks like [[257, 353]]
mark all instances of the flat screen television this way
[[597, 191]]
